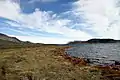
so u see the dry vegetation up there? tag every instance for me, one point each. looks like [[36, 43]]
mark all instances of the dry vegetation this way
[[42, 63]]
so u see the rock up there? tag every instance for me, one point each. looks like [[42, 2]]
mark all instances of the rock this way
[[88, 60], [117, 62]]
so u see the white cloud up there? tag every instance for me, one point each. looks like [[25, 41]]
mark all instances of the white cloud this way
[[103, 16], [9, 9], [42, 21], [46, 40], [100, 16]]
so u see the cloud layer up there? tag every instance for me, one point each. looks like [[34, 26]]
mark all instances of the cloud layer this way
[[102, 16], [86, 19]]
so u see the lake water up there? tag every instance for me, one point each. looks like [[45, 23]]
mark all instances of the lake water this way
[[100, 53]]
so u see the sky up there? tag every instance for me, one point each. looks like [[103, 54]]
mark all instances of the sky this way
[[60, 21]]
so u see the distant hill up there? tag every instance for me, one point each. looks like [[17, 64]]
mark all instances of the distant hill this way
[[96, 41], [102, 41], [76, 42], [8, 38], [13, 42]]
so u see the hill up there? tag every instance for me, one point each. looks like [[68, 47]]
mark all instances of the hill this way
[[13, 42], [102, 41], [8, 38], [96, 41]]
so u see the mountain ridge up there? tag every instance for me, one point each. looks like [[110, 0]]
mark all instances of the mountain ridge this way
[[8, 38]]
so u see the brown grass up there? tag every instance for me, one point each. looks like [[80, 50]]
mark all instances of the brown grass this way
[[43, 63]]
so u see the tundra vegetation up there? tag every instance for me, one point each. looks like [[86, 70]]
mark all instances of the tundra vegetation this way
[[44, 62]]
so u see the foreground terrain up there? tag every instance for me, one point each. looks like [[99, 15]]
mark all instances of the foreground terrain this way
[[42, 63], [21, 60]]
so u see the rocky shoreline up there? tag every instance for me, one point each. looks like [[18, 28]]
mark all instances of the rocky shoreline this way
[[109, 71], [72, 59]]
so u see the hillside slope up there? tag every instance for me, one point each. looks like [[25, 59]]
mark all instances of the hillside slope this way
[[8, 38], [13, 42]]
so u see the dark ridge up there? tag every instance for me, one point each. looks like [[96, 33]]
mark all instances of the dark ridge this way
[[12, 42], [76, 42], [96, 41], [102, 41], [8, 38], [3, 34]]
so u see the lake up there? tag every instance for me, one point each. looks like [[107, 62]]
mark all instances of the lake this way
[[97, 53]]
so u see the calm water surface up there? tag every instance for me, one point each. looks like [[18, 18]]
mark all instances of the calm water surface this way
[[99, 53]]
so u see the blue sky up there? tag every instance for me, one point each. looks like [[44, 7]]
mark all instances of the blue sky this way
[[57, 6], [60, 21]]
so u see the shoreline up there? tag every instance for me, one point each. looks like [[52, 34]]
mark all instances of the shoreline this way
[[71, 59], [108, 71]]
